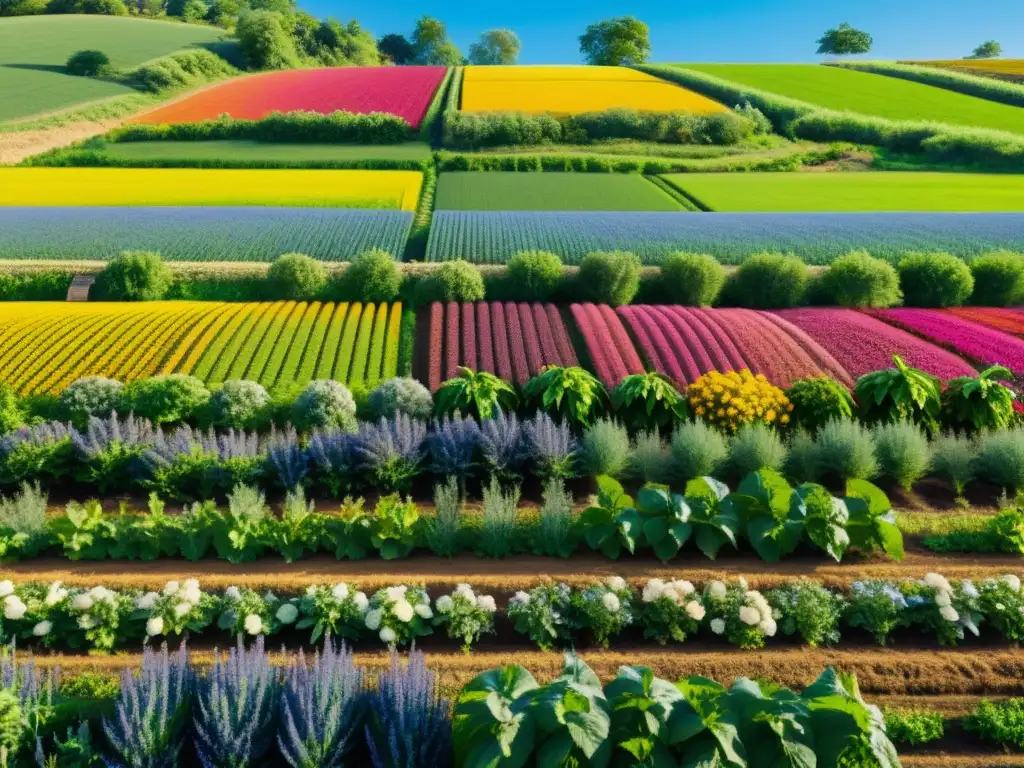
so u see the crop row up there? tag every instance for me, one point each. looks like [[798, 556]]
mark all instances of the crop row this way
[[492, 237], [200, 233], [511, 340]]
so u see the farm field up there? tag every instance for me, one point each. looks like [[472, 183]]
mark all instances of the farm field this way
[[865, 191], [869, 94], [280, 344], [208, 187], [1004, 69], [402, 91], [255, 153], [492, 237], [574, 89], [200, 233], [511, 191], [34, 49]]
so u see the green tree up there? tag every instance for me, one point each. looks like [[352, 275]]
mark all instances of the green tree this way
[[431, 43], [990, 49], [844, 40], [615, 42], [397, 48], [223, 12], [284, 7], [264, 41], [496, 46]]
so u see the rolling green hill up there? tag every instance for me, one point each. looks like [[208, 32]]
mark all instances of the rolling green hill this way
[[33, 50], [869, 94]]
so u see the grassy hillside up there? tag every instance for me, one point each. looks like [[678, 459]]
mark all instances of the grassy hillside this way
[[838, 192], [870, 94], [34, 49]]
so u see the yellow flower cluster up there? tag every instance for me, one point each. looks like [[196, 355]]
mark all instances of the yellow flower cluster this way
[[730, 400]]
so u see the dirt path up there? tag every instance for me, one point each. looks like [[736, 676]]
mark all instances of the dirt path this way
[[15, 146]]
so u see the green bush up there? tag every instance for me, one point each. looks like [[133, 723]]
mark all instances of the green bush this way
[[953, 460], [453, 281], [649, 460], [691, 279], [935, 280], [767, 281], [88, 63], [1001, 722], [295, 276], [536, 275], [697, 450], [12, 416], [754, 447], [372, 276], [133, 276], [902, 451], [169, 398], [1000, 458], [858, 279], [605, 449], [998, 279], [845, 449], [37, 286], [265, 41], [90, 396], [609, 277], [400, 395], [817, 400], [239, 405], [324, 404], [913, 726]]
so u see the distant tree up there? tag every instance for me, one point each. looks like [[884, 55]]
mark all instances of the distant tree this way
[[280, 6], [496, 46], [189, 10], [844, 40], [987, 50], [223, 13], [616, 42], [264, 40], [397, 48], [431, 43]]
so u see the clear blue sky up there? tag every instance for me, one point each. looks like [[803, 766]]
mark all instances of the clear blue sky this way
[[715, 30]]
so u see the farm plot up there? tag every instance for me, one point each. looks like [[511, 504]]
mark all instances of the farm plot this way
[[972, 340], [862, 343], [575, 89], [609, 347], [869, 94], [34, 49], [402, 91], [511, 340], [1003, 69], [836, 192], [1006, 320], [684, 343], [492, 237], [209, 187], [511, 191], [200, 234], [278, 344]]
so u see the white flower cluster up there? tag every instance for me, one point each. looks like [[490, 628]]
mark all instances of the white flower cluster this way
[[944, 595], [14, 608], [88, 604], [753, 610], [394, 602], [177, 600], [484, 602], [679, 591]]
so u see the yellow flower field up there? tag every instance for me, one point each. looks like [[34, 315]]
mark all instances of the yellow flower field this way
[[575, 89], [279, 344], [201, 187]]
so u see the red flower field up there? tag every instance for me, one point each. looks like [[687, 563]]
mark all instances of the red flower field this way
[[402, 91]]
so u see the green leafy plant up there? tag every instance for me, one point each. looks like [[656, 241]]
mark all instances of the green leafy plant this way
[[809, 610], [349, 530], [299, 529], [494, 722], [872, 525], [980, 402], [241, 535], [393, 526], [705, 512], [571, 393], [611, 524], [819, 399], [902, 393], [773, 515], [83, 531], [1001, 722], [649, 400], [474, 393], [913, 726]]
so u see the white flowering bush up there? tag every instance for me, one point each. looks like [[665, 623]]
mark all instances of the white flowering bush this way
[[944, 608], [605, 609], [335, 611], [543, 614], [176, 609], [808, 609], [740, 615], [670, 610], [878, 607], [465, 615], [102, 616], [247, 612], [400, 614], [1002, 602]]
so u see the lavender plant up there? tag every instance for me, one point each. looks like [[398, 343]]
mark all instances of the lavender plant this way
[[452, 445], [147, 728], [321, 714], [552, 446], [287, 462], [111, 451], [392, 451], [334, 456], [191, 464], [35, 452], [504, 447], [33, 690], [236, 707], [408, 722]]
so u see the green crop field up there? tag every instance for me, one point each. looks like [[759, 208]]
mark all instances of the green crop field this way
[[837, 192], [243, 151], [869, 94], [511, 191], [34, 49]]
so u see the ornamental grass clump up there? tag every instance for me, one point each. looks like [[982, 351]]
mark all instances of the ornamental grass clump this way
[[697, 450], [729, 400], [845, 449], [604, 449], [953, 460], [443, 531], [555, 533], [1000, 458], [499, 519], [649, 460], [755, 447], [903, 452]]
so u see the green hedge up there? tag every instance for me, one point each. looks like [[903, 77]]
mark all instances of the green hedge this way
[[437, 104], [340, 127], [961, 82], [185, 68], [38, 286]]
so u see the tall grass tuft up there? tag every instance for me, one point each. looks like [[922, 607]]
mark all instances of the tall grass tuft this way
[[443, 536], [555, 532], [25, 512], [903, 452], [605, 449], [499, 519], [844, 448], [1000, 458], [649, 461], [953, 460], [697, 451], [755, 446]]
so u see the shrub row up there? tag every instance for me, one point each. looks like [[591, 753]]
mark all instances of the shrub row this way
[[937, 141], [429, 124], [184, 68], [337, 127], [473, 130]]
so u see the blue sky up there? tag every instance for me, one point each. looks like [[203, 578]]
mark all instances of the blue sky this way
[[719, 30]]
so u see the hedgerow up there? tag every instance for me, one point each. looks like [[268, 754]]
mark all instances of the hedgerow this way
[[961, 82]]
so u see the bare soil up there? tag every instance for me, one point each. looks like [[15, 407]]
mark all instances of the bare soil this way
[[15, 146]]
